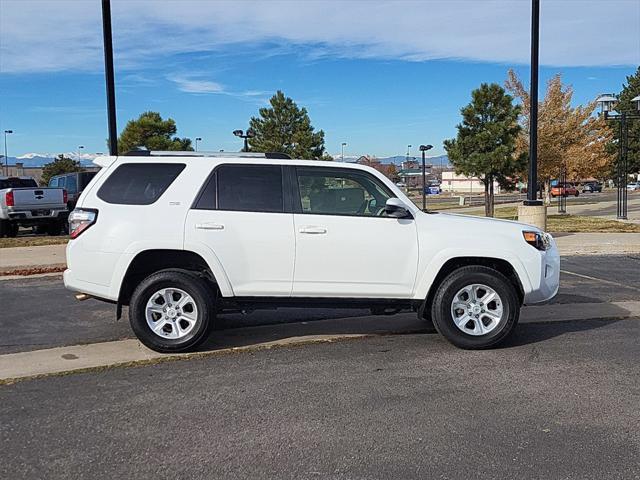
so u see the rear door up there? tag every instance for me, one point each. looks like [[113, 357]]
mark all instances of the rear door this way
[[346, 246], [240, 216]]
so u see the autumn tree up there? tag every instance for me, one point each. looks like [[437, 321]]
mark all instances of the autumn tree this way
[[486, 140], [151, 131], [569, 137], [60, 165], [286, 128]]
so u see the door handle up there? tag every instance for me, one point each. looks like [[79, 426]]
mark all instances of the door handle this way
[[209, 226], [313, 230]]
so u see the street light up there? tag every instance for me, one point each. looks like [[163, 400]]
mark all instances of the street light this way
[[408, 151], [423, 149], [80, 147], [609, 103], [344, 144], [198, 139], [6, 157], [249, 134]]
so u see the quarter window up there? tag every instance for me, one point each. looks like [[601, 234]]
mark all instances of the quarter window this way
[[139, 183], [336, 192]]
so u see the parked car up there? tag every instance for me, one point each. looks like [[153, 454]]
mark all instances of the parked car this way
[[591, 187], [564, 189], [23, 203], [633, 186], [181, 239], [74, 183]]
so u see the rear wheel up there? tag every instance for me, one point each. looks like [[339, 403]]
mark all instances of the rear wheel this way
[[475, 307], [172, 311], [12, 229]]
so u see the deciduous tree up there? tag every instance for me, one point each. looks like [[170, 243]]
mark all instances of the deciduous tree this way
[[286, 128], [152, 132], [485, 144], [567, 136]]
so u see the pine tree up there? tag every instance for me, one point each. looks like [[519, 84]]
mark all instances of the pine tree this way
[[60, 165], [152, 132], [485, 144], [286, 128], [629, 91]]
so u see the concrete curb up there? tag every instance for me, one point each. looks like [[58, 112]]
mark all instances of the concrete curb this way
[[78, 358]]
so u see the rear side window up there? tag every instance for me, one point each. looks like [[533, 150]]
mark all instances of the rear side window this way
[[139, 183], [247, 188]]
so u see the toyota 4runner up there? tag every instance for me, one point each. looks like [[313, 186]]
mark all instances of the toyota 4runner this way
[[182, 236]]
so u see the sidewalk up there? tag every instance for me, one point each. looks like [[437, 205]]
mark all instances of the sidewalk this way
[[25, 257], [247, 339]]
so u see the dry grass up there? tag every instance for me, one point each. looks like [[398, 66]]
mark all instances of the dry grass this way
[[574, 223], [32, 241]]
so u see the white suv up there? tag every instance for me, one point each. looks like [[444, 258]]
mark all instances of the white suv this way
[[181, 236]]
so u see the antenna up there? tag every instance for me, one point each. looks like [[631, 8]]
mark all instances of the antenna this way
[[109, 77]]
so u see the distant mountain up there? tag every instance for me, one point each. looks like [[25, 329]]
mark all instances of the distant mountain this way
[[41, 159]]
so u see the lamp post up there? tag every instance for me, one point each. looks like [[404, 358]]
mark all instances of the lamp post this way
[[6, 157], [423, 149], [109, 76], [344, 144], [80, 147], [241, 134], [608, 104], [198, 139], [408, 152]]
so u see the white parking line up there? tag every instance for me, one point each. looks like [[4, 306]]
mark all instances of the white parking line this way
[[596, 279]]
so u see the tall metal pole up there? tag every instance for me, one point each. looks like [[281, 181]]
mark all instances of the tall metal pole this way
[[6, 158], [622, 169], [424, 183], [109, 77], [533, 108]]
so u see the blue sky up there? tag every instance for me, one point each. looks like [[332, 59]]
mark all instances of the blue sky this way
[[378, 76]]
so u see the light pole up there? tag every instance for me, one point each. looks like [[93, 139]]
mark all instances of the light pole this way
[[423, 149], [80, 147], [607, 104], [408, 152], [198, 139], [6, 157], [344, 144], [249, 134], [109, 77], [533, 107]]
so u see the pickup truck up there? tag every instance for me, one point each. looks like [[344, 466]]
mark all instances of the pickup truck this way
[[24, 204]]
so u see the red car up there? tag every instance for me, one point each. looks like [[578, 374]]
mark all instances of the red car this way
[[564, 189]]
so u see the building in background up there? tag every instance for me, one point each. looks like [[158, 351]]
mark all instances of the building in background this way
[[452, 182]]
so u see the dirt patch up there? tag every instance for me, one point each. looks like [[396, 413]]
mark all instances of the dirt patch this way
[[33, 270]]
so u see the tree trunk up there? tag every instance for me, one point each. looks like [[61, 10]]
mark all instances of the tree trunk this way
[[491, 198], [488, 196], [547, 191]]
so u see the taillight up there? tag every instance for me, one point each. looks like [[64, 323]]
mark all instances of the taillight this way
[[64, 196], [80, 220], [9, 200]]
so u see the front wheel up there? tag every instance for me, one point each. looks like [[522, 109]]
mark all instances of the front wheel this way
[[475, 307], [172, 311]]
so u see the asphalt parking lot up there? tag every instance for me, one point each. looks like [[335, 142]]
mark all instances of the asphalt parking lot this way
[[559, 400], [39, 313]]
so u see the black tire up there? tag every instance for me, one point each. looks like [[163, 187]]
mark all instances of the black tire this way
[[577, 193], [12, 229], [452, 284], [202, 294], [54, 228]]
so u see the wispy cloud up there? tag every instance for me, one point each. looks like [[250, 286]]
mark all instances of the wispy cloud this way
[[198, 84], [31, 39]]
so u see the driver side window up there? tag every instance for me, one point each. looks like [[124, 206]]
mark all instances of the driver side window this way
[[341, 192]]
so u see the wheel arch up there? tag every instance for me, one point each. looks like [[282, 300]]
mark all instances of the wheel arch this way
[[500, 264], [146, 262]]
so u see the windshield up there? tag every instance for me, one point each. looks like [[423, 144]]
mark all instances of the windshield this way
[[17, 183]]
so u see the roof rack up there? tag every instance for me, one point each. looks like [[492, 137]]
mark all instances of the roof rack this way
[[158, 153]]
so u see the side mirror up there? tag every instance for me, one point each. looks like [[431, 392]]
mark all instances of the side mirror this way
[[397, 209]]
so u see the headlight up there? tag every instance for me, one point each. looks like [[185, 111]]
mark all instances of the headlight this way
[[539, 240]]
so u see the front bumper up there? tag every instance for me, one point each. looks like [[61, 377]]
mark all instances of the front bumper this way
[[545, 285]]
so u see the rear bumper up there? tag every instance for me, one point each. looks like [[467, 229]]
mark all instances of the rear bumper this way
[[73, 283], [43, 213]]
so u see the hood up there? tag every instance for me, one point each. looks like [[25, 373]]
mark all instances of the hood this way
[[494, 224]]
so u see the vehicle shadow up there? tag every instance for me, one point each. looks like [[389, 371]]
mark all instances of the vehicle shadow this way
[[530, 333]]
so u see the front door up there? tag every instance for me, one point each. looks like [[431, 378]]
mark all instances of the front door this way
[[240, 217], [345, 244]]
